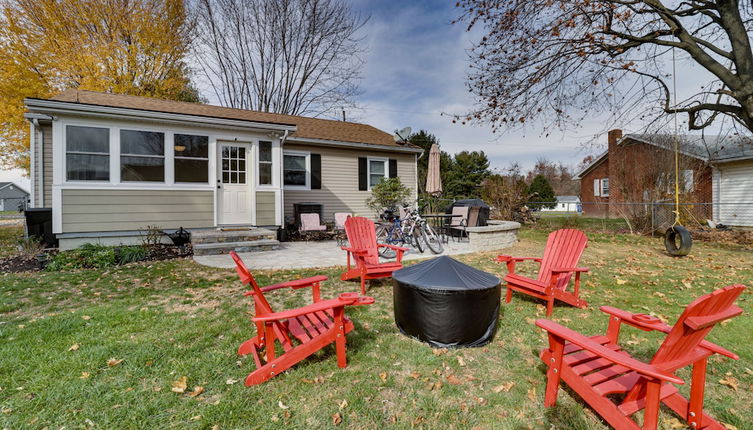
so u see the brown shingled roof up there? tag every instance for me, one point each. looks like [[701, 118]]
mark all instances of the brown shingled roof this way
[[310, 128]]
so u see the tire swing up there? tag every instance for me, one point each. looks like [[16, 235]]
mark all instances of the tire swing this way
[[677, 232]]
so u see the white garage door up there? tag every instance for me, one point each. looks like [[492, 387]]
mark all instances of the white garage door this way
[[736, 194]]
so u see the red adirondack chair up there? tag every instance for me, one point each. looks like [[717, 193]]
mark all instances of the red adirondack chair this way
[[363, 248], [301, 332], [563, 251], [597, 367]]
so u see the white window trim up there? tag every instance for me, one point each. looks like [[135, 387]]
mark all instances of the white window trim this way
[[368, 169], [308, 170]]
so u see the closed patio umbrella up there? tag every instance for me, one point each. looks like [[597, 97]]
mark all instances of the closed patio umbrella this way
[[433, 180]]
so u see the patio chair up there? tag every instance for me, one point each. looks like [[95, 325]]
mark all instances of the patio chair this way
[[456, 225], [310, 223], [340, 218], [598, 369], [561, 255], [299, 332], [363, 249]]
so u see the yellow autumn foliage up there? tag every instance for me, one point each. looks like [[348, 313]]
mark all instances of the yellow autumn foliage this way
[[122, 46]]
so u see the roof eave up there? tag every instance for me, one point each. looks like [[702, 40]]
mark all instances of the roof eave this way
[[61, 107], [591, 166], [338, 143]]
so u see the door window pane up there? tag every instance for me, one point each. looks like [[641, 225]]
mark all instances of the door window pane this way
[[87, 153], [142, 156], [234, 165]]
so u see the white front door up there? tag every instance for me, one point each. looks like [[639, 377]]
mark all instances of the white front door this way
[[234, 180]]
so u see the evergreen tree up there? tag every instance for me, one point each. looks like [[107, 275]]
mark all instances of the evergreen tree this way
[[541, 192], [468, 171]]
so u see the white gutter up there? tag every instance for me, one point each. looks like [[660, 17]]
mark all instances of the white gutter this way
[[32, 169], [53, 106], [339, 143], [282, 179], [34, 119]]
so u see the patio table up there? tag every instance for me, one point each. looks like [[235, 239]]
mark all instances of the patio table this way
[[439, 221]]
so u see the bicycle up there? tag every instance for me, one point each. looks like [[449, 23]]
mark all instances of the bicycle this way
[[429, 236], [398, 232]]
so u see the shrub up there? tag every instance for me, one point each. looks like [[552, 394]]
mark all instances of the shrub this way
[[387, 194], [30, 246], [131, 254], [541, 194], [87, 256]]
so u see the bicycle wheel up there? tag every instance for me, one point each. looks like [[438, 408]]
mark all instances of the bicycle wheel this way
[[416, 239], [385, 235], [432, 239]]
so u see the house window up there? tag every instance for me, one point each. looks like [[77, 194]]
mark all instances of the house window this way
[[265, 163], [688, 185], [191, 158], [87, 153], [605, 187], [142, 156], [295, 170], [377, 171]]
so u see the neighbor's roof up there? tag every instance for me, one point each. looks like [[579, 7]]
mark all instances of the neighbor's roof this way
[[306, 128], [6, 184], [712, 149], [568, 199]]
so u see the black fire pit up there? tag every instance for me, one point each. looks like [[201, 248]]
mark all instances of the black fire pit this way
[[446, 303]]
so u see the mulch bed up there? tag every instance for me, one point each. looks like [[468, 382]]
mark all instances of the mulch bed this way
[[22, 263], [728, 237]]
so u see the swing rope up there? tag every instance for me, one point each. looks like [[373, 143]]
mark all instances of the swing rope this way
[[677, 145]]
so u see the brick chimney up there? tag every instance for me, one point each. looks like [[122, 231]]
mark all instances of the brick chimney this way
[[612, 137]]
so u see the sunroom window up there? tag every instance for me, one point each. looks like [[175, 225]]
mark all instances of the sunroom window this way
[[87, 153], [191, 158], [265, 163], [142, 156]]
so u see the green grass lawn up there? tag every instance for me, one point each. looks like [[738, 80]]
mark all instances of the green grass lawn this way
[[9, 236], [157, 322]]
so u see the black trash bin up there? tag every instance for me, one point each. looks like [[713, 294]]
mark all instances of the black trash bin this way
[[446, 303], [39, 225]]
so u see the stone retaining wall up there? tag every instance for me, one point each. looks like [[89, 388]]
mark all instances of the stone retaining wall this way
[[496, 235]]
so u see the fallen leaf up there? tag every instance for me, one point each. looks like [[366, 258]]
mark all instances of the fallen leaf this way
[[231, 381], [730, 382], [343, 404], [196, 391], [729, 426], [621, 281], [439, 351], [180, 385], [282, 405], [452, 379], [532, 394], [114, 362], [461, 362], [504, 387], [74, 347], [195, 417], [383, 376], [337, 419], [84, 375], [86, 317]]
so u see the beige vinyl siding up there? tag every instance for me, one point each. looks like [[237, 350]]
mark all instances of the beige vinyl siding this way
[[124, 210], [43, 167], [339, 192], [733, 188], [265, 208]]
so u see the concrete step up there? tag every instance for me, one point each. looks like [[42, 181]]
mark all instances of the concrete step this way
[[219, 236], [241, 246]]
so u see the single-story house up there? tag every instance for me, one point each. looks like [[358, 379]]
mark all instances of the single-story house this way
[[570, 204], [716, 175], [111, 165], [12, 197]]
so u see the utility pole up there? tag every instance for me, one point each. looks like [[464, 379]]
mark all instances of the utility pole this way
[[343, 109]]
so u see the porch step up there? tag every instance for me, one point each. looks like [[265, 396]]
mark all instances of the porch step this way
[[261, 244], [228, 236]]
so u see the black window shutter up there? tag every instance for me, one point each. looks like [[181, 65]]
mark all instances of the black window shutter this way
[[316, 171], [363, 184], [393, 168]]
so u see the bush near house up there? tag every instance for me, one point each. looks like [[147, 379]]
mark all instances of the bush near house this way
[[388, 193]]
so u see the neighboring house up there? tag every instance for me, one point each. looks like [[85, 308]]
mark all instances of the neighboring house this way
[[716, 174], [12, 197], [565, 204], [110, 165]]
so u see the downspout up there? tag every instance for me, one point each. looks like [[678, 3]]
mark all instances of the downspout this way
[[281, 179], [32, 162], [41, 157]]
